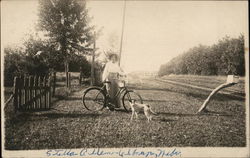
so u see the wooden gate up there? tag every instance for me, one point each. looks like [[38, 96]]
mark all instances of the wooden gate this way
[[32, 93]]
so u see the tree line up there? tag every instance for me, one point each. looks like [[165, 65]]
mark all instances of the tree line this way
[[223, 58]]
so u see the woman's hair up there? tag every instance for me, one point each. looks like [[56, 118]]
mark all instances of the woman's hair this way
[[113, 55]]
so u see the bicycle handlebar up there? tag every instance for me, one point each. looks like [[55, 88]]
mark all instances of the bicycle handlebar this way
[[119, 76]]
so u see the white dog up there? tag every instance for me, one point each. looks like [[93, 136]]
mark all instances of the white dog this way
[[137, 106]]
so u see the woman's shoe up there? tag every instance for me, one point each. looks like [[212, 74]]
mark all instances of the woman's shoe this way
[[118, 108], [110, 107]]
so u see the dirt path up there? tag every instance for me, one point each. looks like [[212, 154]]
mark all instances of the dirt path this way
[[73, 103], [227, 92]]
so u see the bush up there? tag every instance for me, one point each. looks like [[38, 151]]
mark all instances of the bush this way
[[79, 63], [14, 63], [38, 58]]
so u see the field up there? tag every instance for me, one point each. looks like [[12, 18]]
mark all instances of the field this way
[[69, 125]]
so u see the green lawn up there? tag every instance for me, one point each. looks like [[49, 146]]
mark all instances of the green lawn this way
[[69, 125]]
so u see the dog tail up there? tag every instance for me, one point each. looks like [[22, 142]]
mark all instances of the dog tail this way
[[152, 111]]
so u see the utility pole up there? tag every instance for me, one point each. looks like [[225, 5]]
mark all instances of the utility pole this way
[[123, 23], [93, 62]]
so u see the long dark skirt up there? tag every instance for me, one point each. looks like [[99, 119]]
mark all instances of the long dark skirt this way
[[113, 89]]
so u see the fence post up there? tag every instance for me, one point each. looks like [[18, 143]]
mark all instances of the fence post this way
[[28, 92], [15, 103], [35, 91], [25, 91], [40, 93], [20, 83], [80, 76], [54, 83], [49, 92], [31, 91], [45, 92], [69, 80]]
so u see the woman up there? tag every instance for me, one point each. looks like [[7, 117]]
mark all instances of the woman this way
[[111, 73]]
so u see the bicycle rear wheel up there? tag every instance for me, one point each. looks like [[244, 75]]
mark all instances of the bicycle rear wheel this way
[[94, 99], [128, 96]]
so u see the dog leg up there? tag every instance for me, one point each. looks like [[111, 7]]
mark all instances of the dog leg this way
[[136, 115], [148, 119], [132, 115]]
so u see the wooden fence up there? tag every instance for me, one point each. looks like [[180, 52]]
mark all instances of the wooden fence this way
[[32, 93]]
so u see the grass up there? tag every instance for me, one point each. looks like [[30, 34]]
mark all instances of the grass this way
[[69, 125]]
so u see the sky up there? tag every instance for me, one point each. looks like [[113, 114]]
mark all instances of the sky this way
[[154, 31]]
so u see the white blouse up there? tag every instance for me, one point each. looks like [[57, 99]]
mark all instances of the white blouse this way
[[111, 67]]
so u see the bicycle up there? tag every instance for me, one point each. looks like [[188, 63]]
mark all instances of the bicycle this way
[[96, 98]]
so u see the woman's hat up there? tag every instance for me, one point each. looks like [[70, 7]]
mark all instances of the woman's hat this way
[[111, 54]]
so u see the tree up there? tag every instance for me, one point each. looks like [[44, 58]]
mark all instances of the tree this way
[[66, 23], [14, 63], [42, 55], [224, 58]]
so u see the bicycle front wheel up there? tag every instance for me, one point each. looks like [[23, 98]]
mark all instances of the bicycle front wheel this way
[[94, 99], [128, 96]]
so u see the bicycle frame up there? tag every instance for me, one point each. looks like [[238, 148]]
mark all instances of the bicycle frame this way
[[121, 90]]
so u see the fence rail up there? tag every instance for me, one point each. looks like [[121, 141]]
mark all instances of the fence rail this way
[[32, 93]]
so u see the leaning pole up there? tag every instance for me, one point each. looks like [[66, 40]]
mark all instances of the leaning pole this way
[[231, 80], [123, 23]]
